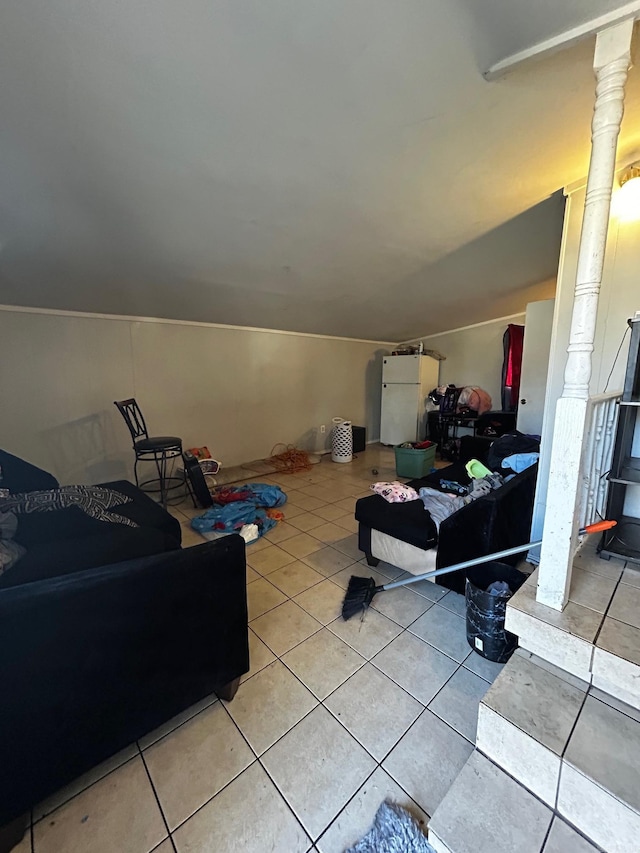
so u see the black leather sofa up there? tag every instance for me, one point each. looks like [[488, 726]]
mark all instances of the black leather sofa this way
[[95, 655]]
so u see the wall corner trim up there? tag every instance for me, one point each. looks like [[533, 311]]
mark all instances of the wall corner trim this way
[[127, 318], [464, 328]]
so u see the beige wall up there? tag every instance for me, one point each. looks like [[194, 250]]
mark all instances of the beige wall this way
[[238, 391], [474, 355]]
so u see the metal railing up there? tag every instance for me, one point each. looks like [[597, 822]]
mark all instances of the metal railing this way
[[602, 416]]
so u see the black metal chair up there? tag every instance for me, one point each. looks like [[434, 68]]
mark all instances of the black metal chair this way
[[159, 449]]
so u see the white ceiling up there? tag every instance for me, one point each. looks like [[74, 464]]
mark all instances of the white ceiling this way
[[314, 165]]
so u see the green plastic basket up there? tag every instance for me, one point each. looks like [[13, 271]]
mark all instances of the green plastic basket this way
[[414, 463]]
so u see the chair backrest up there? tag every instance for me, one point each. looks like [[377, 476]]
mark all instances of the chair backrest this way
[[133, 418]]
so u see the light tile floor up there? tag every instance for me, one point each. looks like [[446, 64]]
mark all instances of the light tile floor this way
[[332, 718]]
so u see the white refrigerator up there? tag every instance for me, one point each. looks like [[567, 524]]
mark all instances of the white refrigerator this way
[[406, 382]]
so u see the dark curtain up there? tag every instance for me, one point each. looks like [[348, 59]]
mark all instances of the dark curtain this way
[[511, 366]]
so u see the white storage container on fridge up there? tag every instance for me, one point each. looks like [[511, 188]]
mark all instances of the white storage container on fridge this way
[[406, 382]]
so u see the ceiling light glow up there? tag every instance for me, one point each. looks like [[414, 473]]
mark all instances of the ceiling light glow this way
[[626, 202]]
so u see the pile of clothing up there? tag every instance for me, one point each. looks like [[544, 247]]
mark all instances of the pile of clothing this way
[[440, 503], [511, 454], [250, 510]]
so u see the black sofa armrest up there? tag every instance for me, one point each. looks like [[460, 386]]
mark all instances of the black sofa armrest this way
[[116, 543], [465, 534], [91, 661], [500, 520], [409, 521]]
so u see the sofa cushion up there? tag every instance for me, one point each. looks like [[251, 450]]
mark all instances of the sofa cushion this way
[[72, 523], [409, 522], [21, 476]]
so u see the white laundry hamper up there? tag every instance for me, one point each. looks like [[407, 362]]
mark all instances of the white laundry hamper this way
[[341, 441]]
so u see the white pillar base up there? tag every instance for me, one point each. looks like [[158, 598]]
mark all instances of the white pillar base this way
[[559, 541]]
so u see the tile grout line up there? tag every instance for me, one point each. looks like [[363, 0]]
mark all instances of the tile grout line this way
[[291, 597], [378, 764], [157, 798], [306, 686], [352, 798], [548, 832], [321, 702], [226, 785], [435, 713], [604, 616], [459, 666], [258, 760], [349, 801]]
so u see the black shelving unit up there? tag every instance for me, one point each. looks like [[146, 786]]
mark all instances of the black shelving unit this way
[[623, 541]]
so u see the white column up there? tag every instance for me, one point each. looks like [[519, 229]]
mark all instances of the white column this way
[[559, 540]]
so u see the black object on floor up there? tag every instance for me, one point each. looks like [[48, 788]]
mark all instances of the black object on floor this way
[[486, 611], [359, 434], [199, 487]]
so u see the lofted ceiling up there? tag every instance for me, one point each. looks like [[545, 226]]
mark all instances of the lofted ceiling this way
[[311, 165]]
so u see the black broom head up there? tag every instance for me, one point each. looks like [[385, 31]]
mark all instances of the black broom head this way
[[359, 596]]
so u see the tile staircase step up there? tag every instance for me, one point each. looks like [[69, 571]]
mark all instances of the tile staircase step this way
[[561, 740], [616, 660], [597, 636], [600, 777], [524, 723], [565, 639], [485, 811]]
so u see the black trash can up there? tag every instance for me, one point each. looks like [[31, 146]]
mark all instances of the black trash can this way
[[486, 611]]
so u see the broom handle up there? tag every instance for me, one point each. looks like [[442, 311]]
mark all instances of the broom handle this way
[[508, 552]]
